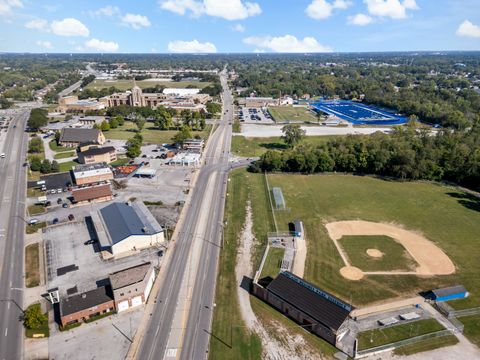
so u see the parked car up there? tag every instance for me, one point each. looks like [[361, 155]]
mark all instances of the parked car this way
[[55, 221], [90, 242], [47, 203], [32, 221], [65, 205], [59, 201], [71, 217]]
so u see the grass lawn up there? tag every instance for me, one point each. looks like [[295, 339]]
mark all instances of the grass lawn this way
[[426, 345], [378, 337], [33, 175], [120, 161], [32, 192], [67, 166], [151, 135], [57, 148], [123, 85], [273, 262], [252, 147], [41, 330], [395, 256], [31, 229], [32, 266], [65, 154], [472, 328], [443, 214], [36, 209], [293, 114]]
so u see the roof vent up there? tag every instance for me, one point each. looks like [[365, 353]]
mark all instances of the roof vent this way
[[84, 296], [145, 230]]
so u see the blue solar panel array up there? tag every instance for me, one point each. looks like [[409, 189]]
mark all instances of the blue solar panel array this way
[[358, 114]]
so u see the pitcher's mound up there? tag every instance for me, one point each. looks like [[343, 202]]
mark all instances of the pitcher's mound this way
[[375, 253], [351, 273]]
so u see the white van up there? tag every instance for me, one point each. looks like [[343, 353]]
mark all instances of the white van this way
[[32, 221], [2, 155]]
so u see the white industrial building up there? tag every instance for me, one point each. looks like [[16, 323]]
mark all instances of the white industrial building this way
[[123, 228], [180, 92], [185, 159]]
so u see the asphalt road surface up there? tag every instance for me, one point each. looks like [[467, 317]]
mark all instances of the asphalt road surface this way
[[213, 175], [12, 229]]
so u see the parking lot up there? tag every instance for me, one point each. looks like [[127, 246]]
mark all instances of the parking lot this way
[[254, 116], [70, 263]]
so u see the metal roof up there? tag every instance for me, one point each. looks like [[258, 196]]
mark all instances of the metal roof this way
[[86, 300], [132, 275], [122, 221], [318, 304], [451, 290], [79, 135]]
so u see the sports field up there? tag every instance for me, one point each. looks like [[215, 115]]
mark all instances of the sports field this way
[[123, 85], [448, 218], [292, 114]]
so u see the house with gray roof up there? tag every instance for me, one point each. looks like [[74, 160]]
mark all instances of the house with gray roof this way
[[76, 136], [124, 228]]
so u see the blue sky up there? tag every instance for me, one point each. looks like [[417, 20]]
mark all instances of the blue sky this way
[[224, 26]]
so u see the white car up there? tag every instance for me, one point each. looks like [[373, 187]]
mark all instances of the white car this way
[[2, 155]]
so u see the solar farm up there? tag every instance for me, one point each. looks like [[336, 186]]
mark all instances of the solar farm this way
[[358, 114]]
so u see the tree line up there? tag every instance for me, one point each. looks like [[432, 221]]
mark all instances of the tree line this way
[[408, 153]]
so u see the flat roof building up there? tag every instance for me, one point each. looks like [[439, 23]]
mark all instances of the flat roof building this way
[[450, 293], [92, 173], [105, 154], [131, 287], [123, 228], [90, 194]]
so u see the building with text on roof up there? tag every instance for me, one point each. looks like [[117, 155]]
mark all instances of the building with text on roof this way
[[124, 228], [131, 287]]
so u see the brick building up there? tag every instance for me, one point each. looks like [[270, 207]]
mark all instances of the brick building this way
[[90, 194], [92, 173], [105, 154]]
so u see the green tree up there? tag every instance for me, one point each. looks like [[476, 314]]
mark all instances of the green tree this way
[[140, 122], [38, 118], [104, 126], [35, 163], [163, 119], [183, 135], [33, 317], [214, 108], [113, 123], [293, 134], [55, 167], [46, 167]]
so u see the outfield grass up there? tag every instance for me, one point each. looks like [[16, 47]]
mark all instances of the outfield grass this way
[[426, 345], [377, 337], [151, 135], [252, 147], [64, 155], [273, 262], [124, 85], [292, 114], [32, 265], [472, 328], [443, 214], [395, 256]]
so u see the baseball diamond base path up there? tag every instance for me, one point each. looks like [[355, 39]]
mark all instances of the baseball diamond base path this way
[[430, 258]]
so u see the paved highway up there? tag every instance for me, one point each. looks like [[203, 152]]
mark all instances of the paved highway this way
[[12, 229], [197, 248]]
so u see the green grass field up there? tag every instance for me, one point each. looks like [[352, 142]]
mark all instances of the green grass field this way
[[32, 265], [426, 345], [151, 135], [64, 155], [373, 338], [272, 262], [55, 147], [252, 147], [395, 256], [472, 328], [36, 209], [41, 330], [67, 166], [443, 214], [123, 85], [292, 114]]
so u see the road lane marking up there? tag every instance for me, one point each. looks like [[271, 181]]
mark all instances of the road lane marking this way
[[6, 331]]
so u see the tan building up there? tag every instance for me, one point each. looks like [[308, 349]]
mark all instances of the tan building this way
[[73, 104], [91, 194], [92, 173], [131, 287], [74, 137], [83, 306], [136, 97], [92, 155]]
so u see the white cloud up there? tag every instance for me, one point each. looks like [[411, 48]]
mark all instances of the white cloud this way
[[100, 45], [467, 29], [193, 46], [360, 19], [38, 24], [322, 9], [69, 27], [44, 44], [6, 6], [108, 11], [287, 44], [394, 9], [226, 9], [135, 21], [238, 28]]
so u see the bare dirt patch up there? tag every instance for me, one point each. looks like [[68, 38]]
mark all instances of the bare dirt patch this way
[[375, 253], [430, 258], [351, 273]]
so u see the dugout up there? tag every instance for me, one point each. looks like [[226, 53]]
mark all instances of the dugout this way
[[449, 293]]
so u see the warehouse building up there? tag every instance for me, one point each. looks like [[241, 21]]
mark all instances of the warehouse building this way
[[92, 173], [91, 194], [83, 306], [73, 137], [93, 155], [314, 309], [123, 228], [131, 287]]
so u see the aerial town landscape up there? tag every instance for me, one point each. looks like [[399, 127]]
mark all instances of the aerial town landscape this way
[[242, 196]]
